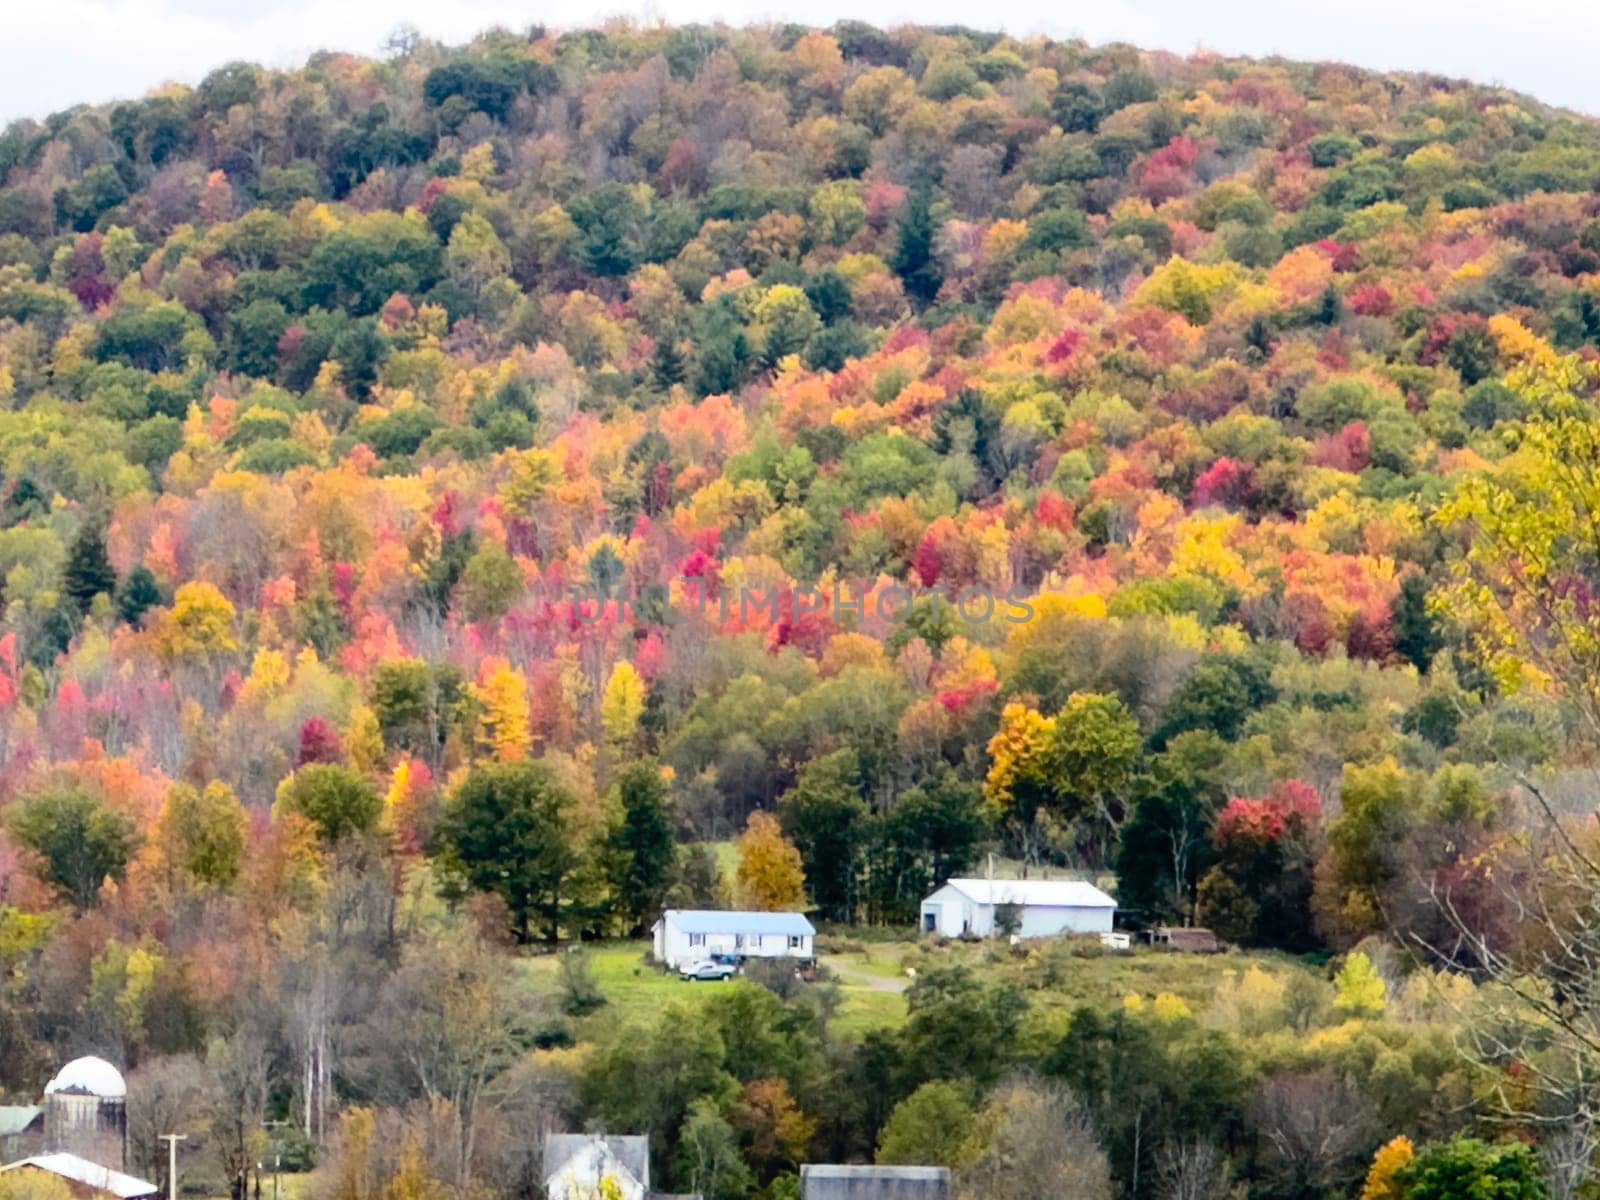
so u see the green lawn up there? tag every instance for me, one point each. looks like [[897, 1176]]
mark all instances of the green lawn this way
[[637, 992], [872, 977]]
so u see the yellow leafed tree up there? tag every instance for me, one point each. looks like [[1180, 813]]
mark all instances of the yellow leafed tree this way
[[502, 696], [363, 740], [1392, 1158], [199, 625], [770, 877], [1015, 753], [29, 1184], [623, 704]]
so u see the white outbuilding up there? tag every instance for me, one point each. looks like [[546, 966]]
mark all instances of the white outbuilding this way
[[1045, 907], [576, 1164], [688, 935]]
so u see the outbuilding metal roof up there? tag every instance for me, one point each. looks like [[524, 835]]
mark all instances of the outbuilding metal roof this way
[[701, 920], [1033, 893], [93, 1175], [15, 1118], [826, 1181]]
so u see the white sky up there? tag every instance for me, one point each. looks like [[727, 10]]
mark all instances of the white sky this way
[[55, 53]]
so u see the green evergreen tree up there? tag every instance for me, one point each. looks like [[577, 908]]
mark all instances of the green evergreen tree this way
[[913, 259], [641, 849], [1416, 633], [667, 365], [826, 819], [88, 571], [506, 830], [138, 595]]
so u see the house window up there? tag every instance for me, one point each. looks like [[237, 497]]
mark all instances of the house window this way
[[697, 939], [796, 941]]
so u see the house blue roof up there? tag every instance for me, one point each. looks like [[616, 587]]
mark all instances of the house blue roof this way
[[700, 920]]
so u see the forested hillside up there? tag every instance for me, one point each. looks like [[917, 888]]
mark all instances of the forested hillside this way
[[443, 498]]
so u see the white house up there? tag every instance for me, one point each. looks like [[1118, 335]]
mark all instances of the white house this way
[[1048, 907], [575, 1165], [685, 935]]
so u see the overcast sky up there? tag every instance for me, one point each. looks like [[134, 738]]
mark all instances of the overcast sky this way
[[55, 53]]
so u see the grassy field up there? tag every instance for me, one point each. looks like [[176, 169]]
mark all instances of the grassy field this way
[[638, 992], [872, 977], [1062, 973]]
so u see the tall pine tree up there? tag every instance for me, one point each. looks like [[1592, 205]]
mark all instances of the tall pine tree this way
[[913, 257], [642, 852], [88, 571]]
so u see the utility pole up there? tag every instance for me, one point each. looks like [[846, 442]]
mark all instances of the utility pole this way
[[172, 1140], [277, 1154]]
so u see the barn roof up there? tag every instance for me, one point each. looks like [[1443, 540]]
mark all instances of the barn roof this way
[[632, 1151], [92, 1175], [15, 1118], [695, 920], [826, 1181], [1033, 893]]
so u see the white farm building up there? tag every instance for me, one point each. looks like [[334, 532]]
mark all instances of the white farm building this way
[[1047, 907], [687, 935]]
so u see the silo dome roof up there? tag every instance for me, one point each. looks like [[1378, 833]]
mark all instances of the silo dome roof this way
[[89, 1076]]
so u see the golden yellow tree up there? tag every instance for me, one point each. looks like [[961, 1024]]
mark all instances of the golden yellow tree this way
[[1392, 1158], [770, 876], [31, 1184], [200, 624], [363, 740], [503, 719], [622, 705]]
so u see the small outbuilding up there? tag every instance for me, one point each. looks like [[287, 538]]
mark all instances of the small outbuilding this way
[[828, 1181], [84, 1179], [575, 1164], [1043, 907], [21, 1131], [1189, 939], [687, 935]]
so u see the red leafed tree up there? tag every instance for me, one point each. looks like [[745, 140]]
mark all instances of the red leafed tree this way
[[1225, 482], [1371, 300], [319, 743], [1348, 450], [1259, 891]]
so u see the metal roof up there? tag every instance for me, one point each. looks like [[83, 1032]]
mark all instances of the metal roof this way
[[93, 1175], [1033, 893], [15, 1118], [827, 1181], [698, 920]]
